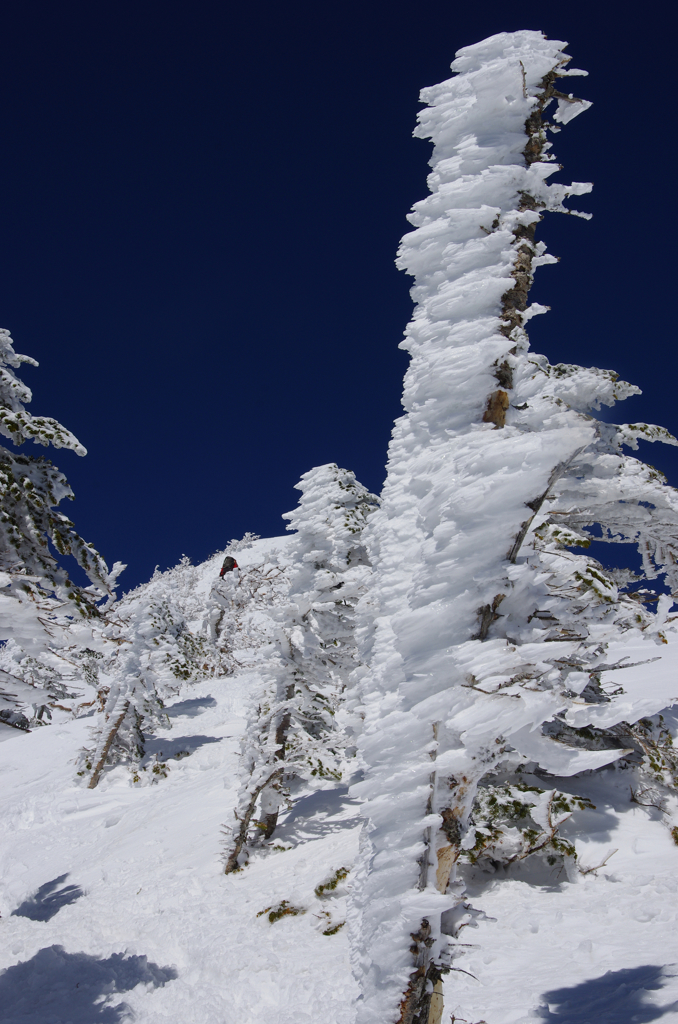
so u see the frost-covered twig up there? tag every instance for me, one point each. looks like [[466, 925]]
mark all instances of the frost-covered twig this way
[[593, 870]]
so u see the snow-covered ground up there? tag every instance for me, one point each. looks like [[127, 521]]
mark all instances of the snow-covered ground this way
[[114, 905], [601, 950], [133, 917]]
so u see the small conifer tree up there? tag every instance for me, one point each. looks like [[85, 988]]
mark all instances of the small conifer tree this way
[[293, 732]]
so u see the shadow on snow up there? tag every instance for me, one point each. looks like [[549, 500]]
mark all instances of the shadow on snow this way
[[190, 708], [48, 900], [74, 988], [180, 746], [318, 814], [618, 997]]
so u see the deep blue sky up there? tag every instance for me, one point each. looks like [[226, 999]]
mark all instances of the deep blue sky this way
[[201, 204]]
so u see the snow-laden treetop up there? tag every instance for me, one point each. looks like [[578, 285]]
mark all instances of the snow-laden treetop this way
[[16, 422], [477, 119], [490, 164]]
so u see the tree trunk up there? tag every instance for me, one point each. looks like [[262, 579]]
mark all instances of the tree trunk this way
[[271, 820], [414, 1007], [423, 1000], [107, 746], [241, 838], [435, 1013]]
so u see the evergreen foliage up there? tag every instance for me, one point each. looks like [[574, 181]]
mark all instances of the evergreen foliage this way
[[39, 603]]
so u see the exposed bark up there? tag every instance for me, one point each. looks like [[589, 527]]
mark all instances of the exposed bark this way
[[497, 405], [414, 1007], [96, 774], [423, 999], [448, 855], [514, 301], [435, 1013], [241, 838], [487, 615]]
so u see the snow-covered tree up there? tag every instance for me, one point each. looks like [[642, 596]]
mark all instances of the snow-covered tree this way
[[238, 617], [293, 732], [21, 699], [38, 600], [148, 652], [494, 645], [167, 633], [52, 675]]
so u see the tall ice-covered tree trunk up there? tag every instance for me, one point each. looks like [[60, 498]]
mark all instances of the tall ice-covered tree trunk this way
[[488, 641]]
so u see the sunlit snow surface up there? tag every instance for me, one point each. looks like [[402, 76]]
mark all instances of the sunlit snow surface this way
[[114, 906]]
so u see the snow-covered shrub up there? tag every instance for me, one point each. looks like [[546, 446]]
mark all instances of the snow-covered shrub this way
[[513, 821], [128, 691], [51, 676], [166, 633], [238, 616], [149, 652], [492, 639], [293, 732], [245, 542]]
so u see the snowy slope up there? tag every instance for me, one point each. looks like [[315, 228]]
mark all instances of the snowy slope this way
[[146, 863], [124, 913], [599, 949]]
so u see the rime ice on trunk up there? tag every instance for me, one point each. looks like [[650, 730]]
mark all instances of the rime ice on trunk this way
[[486, 637]]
